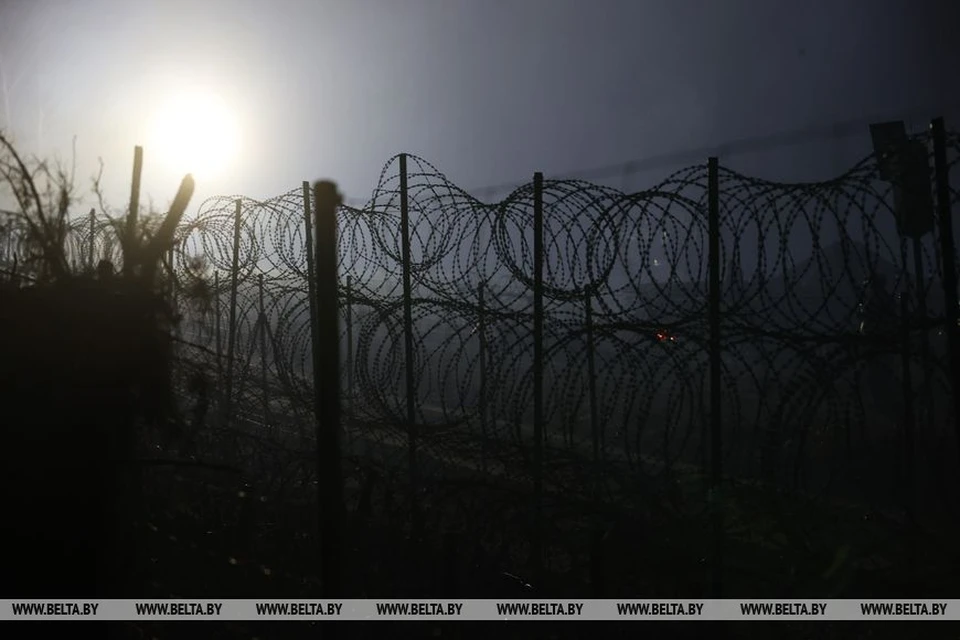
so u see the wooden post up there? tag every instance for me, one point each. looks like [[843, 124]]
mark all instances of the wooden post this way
[[171, 258], [326, 377], [132, 216]]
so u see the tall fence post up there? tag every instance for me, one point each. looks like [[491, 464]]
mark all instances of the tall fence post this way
[[217, 334], [716, 425], [92, 262], [408, 350], [131, 231], [348, 300], [536, 543], [311, 272], [171, 256], [482, 356], [326, 380], [349, 368], [597, 555], [592, 395], [263, 353], [922, 310], [948, 256], [908, 417], [311, 279], [232, 328]]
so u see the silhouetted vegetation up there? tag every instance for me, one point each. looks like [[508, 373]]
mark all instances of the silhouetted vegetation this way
[[86, 365]]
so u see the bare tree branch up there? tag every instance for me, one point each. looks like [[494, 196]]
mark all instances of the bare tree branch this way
[[55, 260]]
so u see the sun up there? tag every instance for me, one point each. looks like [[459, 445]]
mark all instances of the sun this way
[[193, 133]]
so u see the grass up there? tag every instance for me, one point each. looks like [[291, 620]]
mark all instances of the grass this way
[[203, 537]]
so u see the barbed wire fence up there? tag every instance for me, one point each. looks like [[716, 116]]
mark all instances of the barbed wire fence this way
[[547, 395]]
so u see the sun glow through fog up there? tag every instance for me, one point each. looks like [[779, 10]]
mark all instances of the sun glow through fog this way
[[193, 133]]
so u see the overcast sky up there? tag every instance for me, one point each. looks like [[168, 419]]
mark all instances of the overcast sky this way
[[489, 91]]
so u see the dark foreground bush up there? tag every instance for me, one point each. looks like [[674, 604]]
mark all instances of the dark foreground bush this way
[[85, 361], [82, 363]]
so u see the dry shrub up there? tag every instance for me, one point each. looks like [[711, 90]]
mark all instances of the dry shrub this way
[[84, 359]]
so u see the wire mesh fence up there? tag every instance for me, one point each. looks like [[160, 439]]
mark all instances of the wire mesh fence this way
[[833, 350]]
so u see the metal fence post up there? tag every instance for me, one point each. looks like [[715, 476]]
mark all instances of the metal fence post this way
[[482, 400], [596, 435], [536, 545], [92, 262], [311, 280], [349, 368], [948, 256], [218, 338], [311, 272], [716, 425], [408, 351], [263, 353], [232, 328], [908, 417]]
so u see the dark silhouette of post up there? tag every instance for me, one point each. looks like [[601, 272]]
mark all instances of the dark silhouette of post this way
[[909, 426], [905, 164], [716, 425], [172, 275], [536, 540], [311, 271], [415, 524], [232, 328], [326, 376], [131, 231], [595, 434], [311, 281], [93, 221], [597, 560], [948, 255], [264, 387], [482, 399], [348, 299], [217, 331]]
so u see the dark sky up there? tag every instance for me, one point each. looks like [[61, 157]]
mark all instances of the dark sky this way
[[487, 90]]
